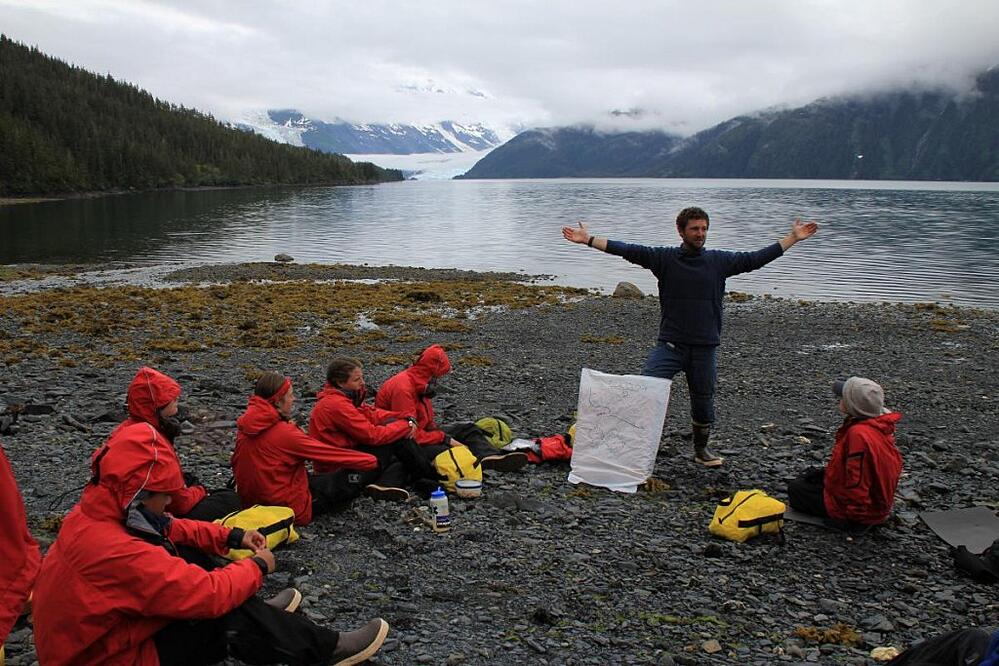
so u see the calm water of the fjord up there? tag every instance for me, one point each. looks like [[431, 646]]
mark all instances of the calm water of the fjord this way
[[880, 241]]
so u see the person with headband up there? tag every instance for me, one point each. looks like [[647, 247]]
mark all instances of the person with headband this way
[[115, 588], [153, 399], [341, 418], [858, 484], [412, 391], [271, 451]]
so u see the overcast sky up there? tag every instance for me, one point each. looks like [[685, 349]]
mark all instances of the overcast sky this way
[[686, 64]]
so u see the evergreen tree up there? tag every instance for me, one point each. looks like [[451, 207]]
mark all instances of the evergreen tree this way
[[63, 129]]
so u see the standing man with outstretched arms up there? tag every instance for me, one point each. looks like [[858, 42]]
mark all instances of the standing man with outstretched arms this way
[[691, 291]]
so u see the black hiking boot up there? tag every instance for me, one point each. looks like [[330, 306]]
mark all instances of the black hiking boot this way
[[702, 454]]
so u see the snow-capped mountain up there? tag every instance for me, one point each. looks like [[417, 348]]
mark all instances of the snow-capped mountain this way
[[290, 126]]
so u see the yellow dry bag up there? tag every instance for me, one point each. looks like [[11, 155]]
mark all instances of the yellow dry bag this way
[[276, 523], [746, 514]]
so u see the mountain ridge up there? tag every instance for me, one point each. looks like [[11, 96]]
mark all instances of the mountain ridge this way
[[891, 135], [343, 137]]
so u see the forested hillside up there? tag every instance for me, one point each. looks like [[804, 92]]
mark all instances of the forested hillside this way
[[63, 129]]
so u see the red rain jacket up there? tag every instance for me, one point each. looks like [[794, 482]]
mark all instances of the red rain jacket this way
[[863, 471], [270, 455], [19, 553], [104, 592], [149, 391], [403, 392], [553, 448], [338, 422]]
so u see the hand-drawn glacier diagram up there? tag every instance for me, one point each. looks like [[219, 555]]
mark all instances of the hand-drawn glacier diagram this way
[[618, 428]]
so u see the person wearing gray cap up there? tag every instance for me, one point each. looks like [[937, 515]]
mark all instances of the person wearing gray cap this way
[[858, 484]]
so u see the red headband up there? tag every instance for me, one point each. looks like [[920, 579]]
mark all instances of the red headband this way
[[280, 392]]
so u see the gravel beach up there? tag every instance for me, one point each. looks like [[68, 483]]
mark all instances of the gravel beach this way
[[539, 571]]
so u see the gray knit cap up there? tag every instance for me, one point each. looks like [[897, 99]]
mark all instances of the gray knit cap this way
[[862, 398]]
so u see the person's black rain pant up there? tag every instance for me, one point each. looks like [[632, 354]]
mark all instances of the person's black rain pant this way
[[805, 492], [216, 504], [468, 434], [965, 647], [255, 633], [399, 463], [334, 491]]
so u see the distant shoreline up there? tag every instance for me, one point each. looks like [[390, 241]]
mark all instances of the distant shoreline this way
[[880, 184], [13, 201], [31, 199], [66, 196], [96, 274]]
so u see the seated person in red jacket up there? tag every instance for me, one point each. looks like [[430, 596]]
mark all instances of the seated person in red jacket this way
[[18, 552], [412, 390], [270, 455], [858, 484], [152, 404], [113, 589], [341, 418]]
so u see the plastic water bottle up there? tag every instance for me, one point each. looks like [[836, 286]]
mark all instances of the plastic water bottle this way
[[442, 515]]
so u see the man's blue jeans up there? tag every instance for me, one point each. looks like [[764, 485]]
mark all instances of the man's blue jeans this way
[[699, 363]]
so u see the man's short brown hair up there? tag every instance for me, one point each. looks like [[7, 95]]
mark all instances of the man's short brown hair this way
[[688, 214]]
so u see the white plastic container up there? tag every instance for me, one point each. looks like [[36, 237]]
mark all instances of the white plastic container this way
[[442, 514], [468, 488]]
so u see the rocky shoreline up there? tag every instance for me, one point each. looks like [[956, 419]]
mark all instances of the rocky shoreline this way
[[537, 570]]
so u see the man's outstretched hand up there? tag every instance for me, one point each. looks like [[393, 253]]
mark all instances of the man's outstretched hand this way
[[802, 230], [799, 232], [578, 234]]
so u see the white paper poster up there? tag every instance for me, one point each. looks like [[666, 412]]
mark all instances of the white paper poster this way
[[619, 424]]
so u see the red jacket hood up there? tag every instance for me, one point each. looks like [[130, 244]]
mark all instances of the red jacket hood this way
[[433, 362], [327, 390], [259, 416], [884, 423], [136, 458], [148, 392]]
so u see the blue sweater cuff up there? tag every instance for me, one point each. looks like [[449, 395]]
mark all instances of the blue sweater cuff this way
[[615, 247]]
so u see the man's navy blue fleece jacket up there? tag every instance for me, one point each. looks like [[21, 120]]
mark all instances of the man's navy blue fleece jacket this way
[[692, 285]]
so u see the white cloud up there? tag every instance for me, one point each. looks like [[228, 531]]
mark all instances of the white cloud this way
[[127, 13], [686, 65]]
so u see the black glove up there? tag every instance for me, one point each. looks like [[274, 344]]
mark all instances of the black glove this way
[[190, 480]]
